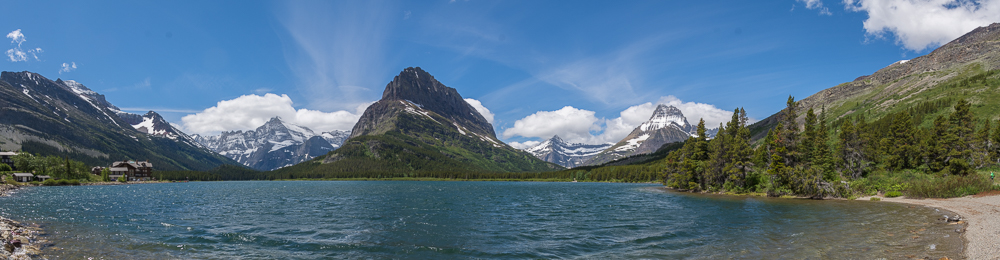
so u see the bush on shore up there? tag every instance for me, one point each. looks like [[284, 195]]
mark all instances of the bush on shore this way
[[60, 182]]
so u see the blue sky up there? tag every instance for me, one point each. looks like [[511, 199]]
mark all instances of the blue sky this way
[[208, 66]]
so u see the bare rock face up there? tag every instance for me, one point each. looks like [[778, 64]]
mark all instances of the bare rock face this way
[[418, 88]]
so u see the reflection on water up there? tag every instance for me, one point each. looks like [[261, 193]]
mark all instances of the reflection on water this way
[[318, 219]]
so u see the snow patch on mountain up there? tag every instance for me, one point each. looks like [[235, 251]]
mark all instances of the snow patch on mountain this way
[[274, 145]]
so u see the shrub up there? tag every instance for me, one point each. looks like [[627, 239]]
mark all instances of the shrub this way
[[950, 186], [875, 199], [893, 194]]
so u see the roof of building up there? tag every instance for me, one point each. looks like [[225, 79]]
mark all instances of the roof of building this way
[[43, 177], [8, 153], [23, 174], [134, 164]]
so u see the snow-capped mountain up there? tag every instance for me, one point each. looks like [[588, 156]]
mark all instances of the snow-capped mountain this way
[[274, 145], [153, 124], [666, 125], [66, 119], [569, 155]]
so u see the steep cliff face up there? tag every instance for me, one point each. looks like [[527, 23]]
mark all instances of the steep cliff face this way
[[421, 125], [416, 91]]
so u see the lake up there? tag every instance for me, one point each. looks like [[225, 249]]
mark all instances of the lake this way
[[444, 220]]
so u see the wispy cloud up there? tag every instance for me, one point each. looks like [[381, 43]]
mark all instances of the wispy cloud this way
[[17, 54], [921, 24], [67, 67], [337, 50], [815, 5]]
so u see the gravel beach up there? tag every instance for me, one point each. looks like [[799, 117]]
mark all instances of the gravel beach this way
[[26, 237], [981, 212]]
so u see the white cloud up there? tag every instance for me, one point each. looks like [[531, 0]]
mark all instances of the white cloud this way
[[16, 36], [17, 54], [921, 24], [815, 5], [524, 145], [579, 126], [694, 111], [569, 123], [67, 67], [482, 110], [251, 111]]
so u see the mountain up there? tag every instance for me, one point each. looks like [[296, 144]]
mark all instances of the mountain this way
[[569, 155], [666, 125], [419, 126], [273, 145], [153, 124], [966, 67], [65, 118]]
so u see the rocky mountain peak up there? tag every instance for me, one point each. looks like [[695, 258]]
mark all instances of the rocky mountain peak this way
[[418, 90], [665, 116], [557, 139]]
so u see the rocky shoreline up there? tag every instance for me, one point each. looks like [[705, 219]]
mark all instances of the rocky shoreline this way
[[981, 212], [19, 241]]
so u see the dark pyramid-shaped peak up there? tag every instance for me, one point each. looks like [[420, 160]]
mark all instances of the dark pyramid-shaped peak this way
[[416, 86], [557, 139]]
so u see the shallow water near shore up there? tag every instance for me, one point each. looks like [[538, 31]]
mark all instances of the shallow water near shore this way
[[419, 219]]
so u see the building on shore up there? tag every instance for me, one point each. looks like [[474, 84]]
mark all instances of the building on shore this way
[[135, 170], [23, 177], [8, 159]]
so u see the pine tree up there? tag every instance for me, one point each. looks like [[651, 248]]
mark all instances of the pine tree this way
[[934, 146], [995, 145], [808, 137], [852, 152], [740, 151], [789, 134], [959, 139], [902, 151], [981, 146], [821, 149]]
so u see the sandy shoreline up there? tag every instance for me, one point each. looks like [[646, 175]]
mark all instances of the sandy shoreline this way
[[982, 213]]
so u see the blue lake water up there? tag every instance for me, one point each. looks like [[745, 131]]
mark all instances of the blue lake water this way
[[445, 220]]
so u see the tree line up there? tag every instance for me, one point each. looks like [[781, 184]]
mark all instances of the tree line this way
[[814, 160]]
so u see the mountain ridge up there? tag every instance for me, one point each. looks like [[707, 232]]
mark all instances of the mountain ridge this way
[[65, 118]]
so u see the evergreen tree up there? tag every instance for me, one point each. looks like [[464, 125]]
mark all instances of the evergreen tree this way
[[934, 146], [789, 134], [740, 151], [995, 145], [903, 149], [808, 137], [981, 146], [959, 139], [821, 149], [852, 152]]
